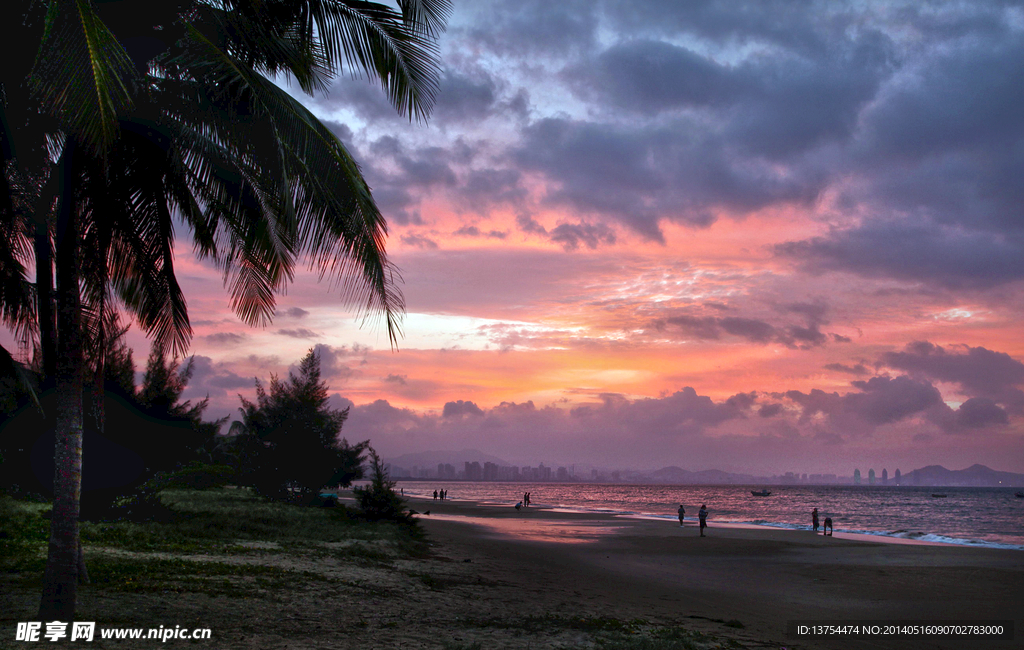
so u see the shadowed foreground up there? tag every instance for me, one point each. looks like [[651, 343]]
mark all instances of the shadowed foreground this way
[[264, 575]]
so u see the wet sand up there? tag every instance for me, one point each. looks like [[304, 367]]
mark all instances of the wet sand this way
[[760, 577]]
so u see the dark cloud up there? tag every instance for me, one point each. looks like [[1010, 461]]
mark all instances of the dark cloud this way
[[772, 106], [483, 188], [649, 76], [980, 372], [858, 369], [213, 379], [953, 129], [936, 165], [299, 333], [419, 242], [463, 98], [742, 401], [980, 412], [529, 225], [396, 379], [333, 361], [936, 255], [461, 409], [536, 27], [684, 413], [296, 312], [572, 235], [638, 174], [769, 410], [750, 329], [756, 331], [698, 327], [881, 400], [473, 231], [226, 338]]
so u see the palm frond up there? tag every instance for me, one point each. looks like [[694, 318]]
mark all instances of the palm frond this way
[[11, 368], [431, 16], [378, 41], [82, 73], [338, 225]]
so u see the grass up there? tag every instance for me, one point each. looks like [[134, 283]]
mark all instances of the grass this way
[[552, 622], [226, 543], [24, 531], [666, 638], [224, 521]]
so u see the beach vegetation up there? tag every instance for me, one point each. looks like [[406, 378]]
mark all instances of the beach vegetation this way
[[127, 119], [227, 522], [378, 500], [288, 446], [659, 638]]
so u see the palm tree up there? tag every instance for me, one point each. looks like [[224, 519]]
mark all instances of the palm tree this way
[[177, 115]]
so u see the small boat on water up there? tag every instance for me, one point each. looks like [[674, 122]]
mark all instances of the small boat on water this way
[[1019, 495], [939, 496], [761, 493]]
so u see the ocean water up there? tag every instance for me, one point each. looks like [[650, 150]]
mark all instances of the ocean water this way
[[989, 517]]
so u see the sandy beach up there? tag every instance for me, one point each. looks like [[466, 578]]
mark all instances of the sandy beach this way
[[757, 577], [540, 579]]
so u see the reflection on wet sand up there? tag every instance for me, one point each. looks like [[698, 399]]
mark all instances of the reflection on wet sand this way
[[538, 530]]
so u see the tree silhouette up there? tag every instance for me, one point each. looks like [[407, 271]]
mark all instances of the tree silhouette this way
[[290, 438]]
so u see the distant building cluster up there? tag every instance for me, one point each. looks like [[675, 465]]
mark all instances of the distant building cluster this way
[[475, 471], [974, 476]]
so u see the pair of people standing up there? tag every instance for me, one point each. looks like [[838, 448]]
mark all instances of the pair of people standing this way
[[827, 530], [702, 515], [526, 499]]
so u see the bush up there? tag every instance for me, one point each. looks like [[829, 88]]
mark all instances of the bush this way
[[378, 500], [196, 476]]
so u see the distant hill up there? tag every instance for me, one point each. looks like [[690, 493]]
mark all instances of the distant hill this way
[[432, 458], [975, 476]]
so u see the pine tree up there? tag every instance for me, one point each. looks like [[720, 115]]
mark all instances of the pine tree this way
[[290, 444]]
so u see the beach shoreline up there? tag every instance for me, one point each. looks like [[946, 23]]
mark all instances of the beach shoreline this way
[[757, 577]]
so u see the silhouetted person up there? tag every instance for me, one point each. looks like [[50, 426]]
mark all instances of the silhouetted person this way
[[682, 513], [435, 495], [828, 526], [519, 505], [814, 519], [703, 516]]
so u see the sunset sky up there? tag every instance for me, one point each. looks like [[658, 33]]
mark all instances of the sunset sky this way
[[761, 237]]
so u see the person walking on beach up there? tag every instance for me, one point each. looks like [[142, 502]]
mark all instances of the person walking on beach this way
[[435, 495], [682, 513], [814, 520], [703, 516]]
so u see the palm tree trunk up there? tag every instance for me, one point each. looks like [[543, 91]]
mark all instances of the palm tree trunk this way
[[60, 581], [44, 287]]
